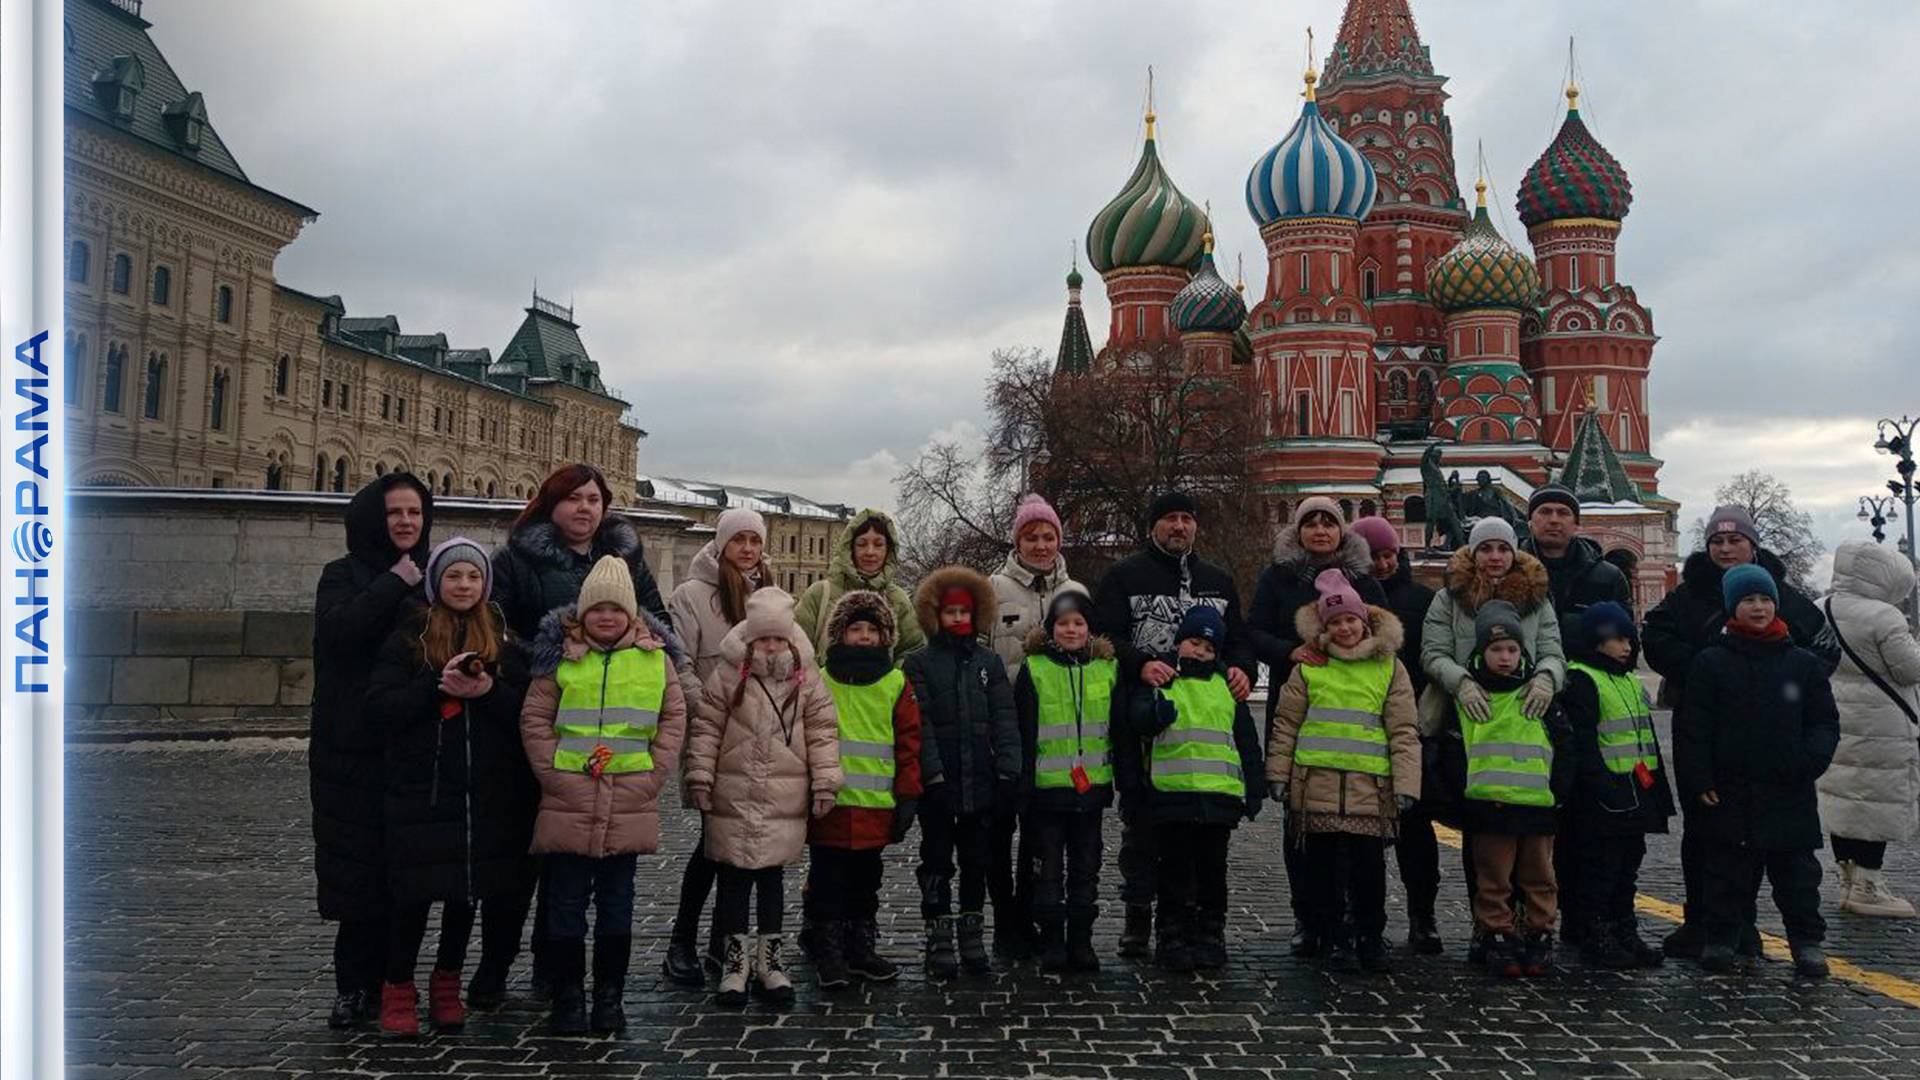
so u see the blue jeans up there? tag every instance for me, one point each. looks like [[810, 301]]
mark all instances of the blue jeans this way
[[572, 880]]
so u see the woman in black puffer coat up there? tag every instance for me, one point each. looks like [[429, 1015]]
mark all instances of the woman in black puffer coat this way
[[361, 596]]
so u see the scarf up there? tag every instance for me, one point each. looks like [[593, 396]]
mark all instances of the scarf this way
[[858, 664], [1776, 631]]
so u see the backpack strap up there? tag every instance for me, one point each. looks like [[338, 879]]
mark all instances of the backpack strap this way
[[1834, 628]]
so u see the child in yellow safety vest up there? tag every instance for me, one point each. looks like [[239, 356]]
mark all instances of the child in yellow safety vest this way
[[1065, 697], [1517, 770], [1344, 756], [1620, 793], [602, 726], [1204, 774], [879, 722]]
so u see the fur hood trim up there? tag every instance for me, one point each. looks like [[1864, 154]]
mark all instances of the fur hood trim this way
[[541, 540], [843, 609], [1353, 555], [561, 637], [926, 598], [1525, 586], [1098, 646], [1386, 637]]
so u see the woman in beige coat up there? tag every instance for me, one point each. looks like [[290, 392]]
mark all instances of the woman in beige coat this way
[[764, 753]]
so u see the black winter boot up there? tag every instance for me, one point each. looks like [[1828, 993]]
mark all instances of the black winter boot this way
[[1080, 952], [682, 965], [1372, 952], [487, 990], [1686, 942], [828, 944], [942, 961], [970, 930], [1477, 947], [1173, 947], [1014, 936], [1601, 946], [861, 940], [349, 1010], [1136, 937], [1810, 962], [566, 963], [612, 953], [1053, 946], [1210, 940], [1304, 944], [1338, 954], [1505, 956], [1644, 954], [1423, 935], [1536, 956]]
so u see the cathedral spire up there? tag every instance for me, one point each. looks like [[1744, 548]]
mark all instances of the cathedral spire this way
[[1376, 36]]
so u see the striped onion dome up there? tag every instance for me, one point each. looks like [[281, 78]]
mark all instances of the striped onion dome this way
[[1208, 302], [1312, 172], [1150, 223], [1575, 177], [1482, 270]]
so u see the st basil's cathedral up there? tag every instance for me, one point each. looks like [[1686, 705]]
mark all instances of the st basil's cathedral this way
[[1396, 318]]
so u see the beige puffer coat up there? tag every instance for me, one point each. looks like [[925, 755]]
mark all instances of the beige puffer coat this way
[[764, 759], [1334, 800]]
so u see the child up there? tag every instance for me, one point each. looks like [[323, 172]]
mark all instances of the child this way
[[765, 754], [1064, 696], [1515, 766], [1344, 755], [602, 728], [1203, 776], [970, 761], [447, 689], [879, 732], [1761, 728], [1620, 791]]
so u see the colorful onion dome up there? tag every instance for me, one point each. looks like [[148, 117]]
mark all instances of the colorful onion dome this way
[[1575, 177], [1074, 280], [1150, 223], [1482, 270], [1312, 172], [1208, 302]]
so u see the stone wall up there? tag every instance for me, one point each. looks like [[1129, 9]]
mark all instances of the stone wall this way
[[191, 612]]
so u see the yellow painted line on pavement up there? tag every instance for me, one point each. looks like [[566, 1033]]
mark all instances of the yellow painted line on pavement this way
[[1901, 990]]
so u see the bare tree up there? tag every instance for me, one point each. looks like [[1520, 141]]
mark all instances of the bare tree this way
[[1785, 530]]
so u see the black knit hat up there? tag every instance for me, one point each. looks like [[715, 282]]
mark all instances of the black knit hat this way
[[1554, 493], [1169, 502], [1072, 598], [1497, 620]]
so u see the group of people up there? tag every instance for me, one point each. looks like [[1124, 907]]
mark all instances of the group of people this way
[[492, 733]]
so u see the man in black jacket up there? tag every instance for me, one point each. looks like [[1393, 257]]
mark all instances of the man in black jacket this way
[[1138, 606], [1688, 621]]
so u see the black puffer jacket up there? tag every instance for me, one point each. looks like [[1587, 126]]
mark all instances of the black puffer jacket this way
[[1761, 728], [1409, 600], [358, 603], [1146, 720], [536, 572], [1286, 585], [459, 798], [1690, 619], [969, 735], [1578, 580], [1603, 802]]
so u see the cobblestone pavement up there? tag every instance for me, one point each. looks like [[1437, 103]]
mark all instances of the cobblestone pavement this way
[[193, 951]]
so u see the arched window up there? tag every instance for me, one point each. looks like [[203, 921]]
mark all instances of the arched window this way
[[1367, 509], [446, 483], [79, 261], [1370, 283], [489, 489], [379, 468], [340, 474], [433, 480], [1397, 386], [276, 476], [156, 379], [1303, 413], [320, 472], [76, 365], [1426, 388], [282, 374], [116, 377], [162, 285], [223, 303], [217, 413], [1414, 509], [1573, 274], [122, 274]]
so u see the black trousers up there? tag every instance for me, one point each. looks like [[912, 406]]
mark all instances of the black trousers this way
[[1609, 875], [1417, 852], [1292, 859], [947, 838], [1732, 891], [765, 887], [503, 918], [1139, 862], [1570, 866], [1192, 868], [1343, 882], [1866, 854], [1067, 847], [359, 955], [1693, 862], [843, 884], [1010, 876], [407, 928], [696, 884]]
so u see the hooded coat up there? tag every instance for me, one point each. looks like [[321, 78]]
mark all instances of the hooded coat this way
[[1578, 580], [614, 813], [535, 572], [1026, 705], [1447, 639], [843, 576], [1601, 801], [970, 738], [765, 758], [459, 798], [699, 616], [1287, 584], [1335, 800], [863, 828], [1023, 597], [1872, 792], [358, 603], [1690, 618]]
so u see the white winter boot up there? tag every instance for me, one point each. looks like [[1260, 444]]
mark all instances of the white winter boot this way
[[735, 968], [1847, 868], [770, 980], [1869, 895]]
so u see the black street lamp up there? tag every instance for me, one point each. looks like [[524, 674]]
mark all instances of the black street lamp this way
[[1877, 510], [1896, 438]]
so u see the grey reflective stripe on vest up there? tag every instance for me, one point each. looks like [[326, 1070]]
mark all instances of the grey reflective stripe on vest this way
[[1335, 745], [1356, 717], [1050, 732], [1507, 779], [1174, 766], [1624, 751], [1516, 751], [855, 748], [1060, 764], [628, 716], [587, 744], [1623, 725], [867, 782], [1177, 736]]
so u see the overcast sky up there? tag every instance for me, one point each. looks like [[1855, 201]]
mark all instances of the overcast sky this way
[[794, 233]]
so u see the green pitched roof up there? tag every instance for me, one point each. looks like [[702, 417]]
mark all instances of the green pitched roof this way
[[1076, 346], [548, 346], [1593, 470]]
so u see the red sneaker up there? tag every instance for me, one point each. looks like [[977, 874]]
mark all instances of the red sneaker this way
[[443, 1001], [399, 1009]]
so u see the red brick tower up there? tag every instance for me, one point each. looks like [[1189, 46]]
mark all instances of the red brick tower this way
[[1382, 96]]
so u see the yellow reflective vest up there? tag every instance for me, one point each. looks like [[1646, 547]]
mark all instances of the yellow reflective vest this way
[[1345, 727], [610, 699], [866, 738], [1197, 752], [1074, 702]]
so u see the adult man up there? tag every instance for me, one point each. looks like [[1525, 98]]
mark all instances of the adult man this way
[[1138, 606], [1687, 621]]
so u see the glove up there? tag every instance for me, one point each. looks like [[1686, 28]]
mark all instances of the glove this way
[[1165, 712], [1008, 796], [823, 803], [701, 796], [408, 571], [1539, 696], [1405, 803], [904, 812], [1277, 791], [1472, 699]]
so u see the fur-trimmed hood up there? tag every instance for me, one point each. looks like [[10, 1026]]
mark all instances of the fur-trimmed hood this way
[[842, 613], [1525, 586], [561, 637], [1384, 639], [541, 540], [926, 598], [1038, 641], [1352, 555]]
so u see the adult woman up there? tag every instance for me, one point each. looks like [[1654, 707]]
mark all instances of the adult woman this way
[[867, 557], [360, 598], [711, 602], [1034, 573], [1871, 793]]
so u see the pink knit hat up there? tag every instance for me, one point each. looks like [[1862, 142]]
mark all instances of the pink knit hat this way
[[1336, 596], [1034, 508], [1379, 534]]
